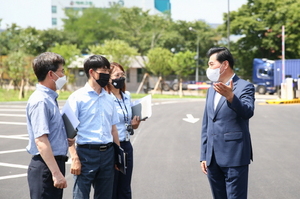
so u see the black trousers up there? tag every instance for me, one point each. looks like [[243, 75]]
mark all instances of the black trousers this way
[[122, 183], [40, 179]]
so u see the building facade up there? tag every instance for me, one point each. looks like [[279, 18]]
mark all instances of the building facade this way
[[58, 7], [45, 14], [134, 74]]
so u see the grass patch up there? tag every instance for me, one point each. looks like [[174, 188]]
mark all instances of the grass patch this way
[[12, 95]]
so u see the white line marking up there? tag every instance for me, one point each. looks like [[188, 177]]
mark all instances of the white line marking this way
[[12, 106], [12, 151], [13, 176], [19, 166], [22, 135], [14, 123], [169, 102], [190, 118], [12, 110], [13, 115], [13, 137]]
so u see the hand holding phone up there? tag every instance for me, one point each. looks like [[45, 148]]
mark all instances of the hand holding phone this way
[[143, 119]]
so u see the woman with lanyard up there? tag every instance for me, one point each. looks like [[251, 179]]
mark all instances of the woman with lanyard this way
[[117, 87]]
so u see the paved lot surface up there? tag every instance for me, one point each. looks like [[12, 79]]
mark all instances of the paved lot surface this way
[[166, 152]]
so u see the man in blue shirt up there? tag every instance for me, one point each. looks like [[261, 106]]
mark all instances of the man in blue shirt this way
[[48, 141], [93, 158]]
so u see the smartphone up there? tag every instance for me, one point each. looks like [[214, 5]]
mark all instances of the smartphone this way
[[144, 118]]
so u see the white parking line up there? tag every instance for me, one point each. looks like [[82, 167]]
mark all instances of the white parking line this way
[[22, 135], [13, 137], [12, 151], [14, 123], [13, 176], [12, 110], [13, 115], [13, 106], [19, 166]]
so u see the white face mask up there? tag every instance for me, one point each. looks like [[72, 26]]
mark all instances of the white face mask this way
[[213, 74], [60, 82]]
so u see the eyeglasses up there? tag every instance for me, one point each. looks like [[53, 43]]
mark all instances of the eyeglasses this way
[[62, 71], [118, 75]]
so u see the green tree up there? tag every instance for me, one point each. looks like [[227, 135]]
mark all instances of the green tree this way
[[52, 37], [92, 25], [145, 31], [116, 51], [159, 61], [135, 28], [69, 53], [160, 29], [260, 22], [183, 63], [8, 39], [15, 39], [29, 41], [17, 66], [159, 64], [193, 33]]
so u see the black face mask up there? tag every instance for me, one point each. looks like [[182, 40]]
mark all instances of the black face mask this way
[[118, 83], [103, 79]]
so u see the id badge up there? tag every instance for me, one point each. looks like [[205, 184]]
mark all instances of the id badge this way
[[127, 138]]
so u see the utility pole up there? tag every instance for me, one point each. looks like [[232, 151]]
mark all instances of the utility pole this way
[[197, 56], [228, 24]]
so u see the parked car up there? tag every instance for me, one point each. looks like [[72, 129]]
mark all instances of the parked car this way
[[174, 85]]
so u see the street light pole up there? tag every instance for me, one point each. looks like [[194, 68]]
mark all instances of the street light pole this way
[[197, 61], [197, 56], [228, 25]]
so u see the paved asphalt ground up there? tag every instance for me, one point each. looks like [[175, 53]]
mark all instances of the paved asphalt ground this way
[[166, 152]]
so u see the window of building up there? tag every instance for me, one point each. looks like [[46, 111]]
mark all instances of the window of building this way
[[128, 75], [140, 75], [81, 73], [54, 9], [54, 21]]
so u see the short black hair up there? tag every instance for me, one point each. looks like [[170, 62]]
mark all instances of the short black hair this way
[[223, 54], [94, 62], [45, 62]]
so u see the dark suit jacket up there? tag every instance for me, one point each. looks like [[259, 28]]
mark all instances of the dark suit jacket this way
[[225, 131]]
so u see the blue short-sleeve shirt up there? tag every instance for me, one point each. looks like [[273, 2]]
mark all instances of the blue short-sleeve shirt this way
[[124, 113], [44, 117], [96, 114]]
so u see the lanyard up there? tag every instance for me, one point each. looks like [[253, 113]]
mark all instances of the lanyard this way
[[125, 117]]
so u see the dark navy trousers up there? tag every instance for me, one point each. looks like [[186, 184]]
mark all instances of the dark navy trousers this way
[[97, 170], [228, 182], [40, 179], [122, 183]]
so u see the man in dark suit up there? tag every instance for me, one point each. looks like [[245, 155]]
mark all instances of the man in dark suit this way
[[225, 141]]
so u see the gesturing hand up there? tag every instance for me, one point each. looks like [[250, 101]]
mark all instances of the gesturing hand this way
[[225, 90]]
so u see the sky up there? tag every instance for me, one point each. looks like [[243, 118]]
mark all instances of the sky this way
[[210, 11], [16, 11]]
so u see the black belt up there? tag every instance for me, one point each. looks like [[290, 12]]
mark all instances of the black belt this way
[[63, 158], [100, 147]]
